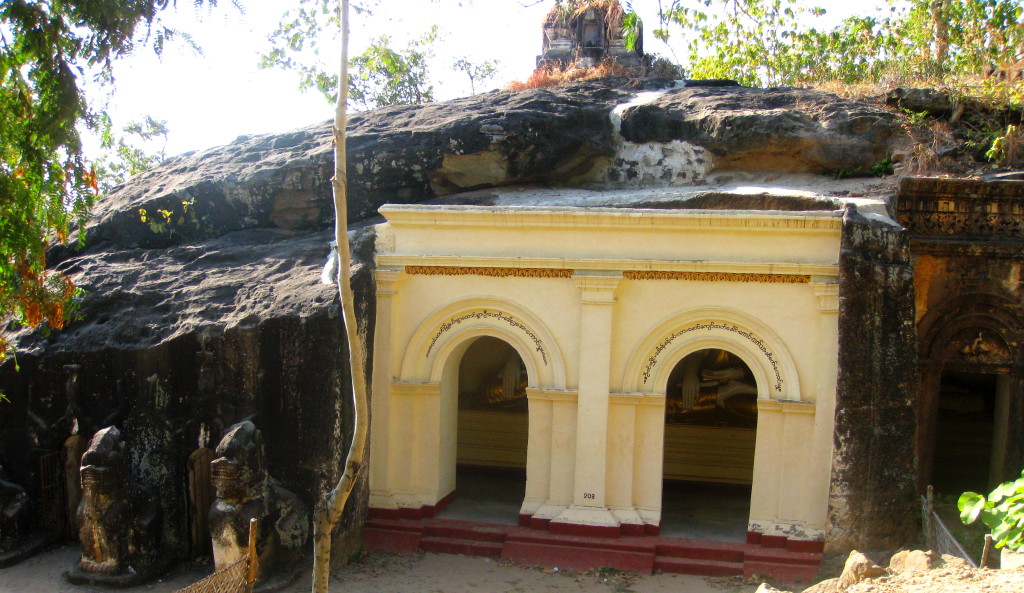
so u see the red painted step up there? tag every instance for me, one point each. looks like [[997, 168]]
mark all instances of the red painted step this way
[[391, 540], [700, 567], [625, 544], [466, 531], [575, 557], [450, 545], [396, 524], [698, 550]]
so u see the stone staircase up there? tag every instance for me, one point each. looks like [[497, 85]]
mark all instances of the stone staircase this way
[[643, 554]]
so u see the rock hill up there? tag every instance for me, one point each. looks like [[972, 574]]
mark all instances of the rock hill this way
[[212, 311]]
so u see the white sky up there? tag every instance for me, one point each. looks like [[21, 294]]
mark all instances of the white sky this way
[[211, 99]]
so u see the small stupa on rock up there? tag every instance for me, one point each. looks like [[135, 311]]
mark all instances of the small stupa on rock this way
[[586, 32]]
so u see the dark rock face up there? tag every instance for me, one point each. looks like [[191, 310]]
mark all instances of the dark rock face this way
[[553, 136], [179, 344], [792, 130], [212, 313], [930, 101], [873, 501]]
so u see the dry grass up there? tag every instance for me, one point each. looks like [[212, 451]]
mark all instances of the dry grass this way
[[571, 9], [551, 76]]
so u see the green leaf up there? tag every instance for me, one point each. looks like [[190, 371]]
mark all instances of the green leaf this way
[[970, 504]]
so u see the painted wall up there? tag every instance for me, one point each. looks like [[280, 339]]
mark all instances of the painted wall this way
[[601, 304]]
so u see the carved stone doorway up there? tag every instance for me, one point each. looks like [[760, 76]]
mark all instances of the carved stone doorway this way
[[971, 403], [491, 433], [708, 462]]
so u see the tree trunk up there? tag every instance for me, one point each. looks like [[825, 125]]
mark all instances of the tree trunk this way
[[329, 511], [940, 27]]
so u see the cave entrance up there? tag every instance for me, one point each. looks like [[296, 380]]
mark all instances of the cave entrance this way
[[200, 497], [708, 462], [970, 431], [491, 433]]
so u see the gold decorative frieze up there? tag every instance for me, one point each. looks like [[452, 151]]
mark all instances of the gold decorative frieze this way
[[718, 277], [489, 271]]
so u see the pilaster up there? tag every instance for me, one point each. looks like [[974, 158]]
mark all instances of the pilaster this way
[[589, 504], [380, 395]]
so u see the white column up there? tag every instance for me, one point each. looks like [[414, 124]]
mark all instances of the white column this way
[[597, 297], [380, 392]]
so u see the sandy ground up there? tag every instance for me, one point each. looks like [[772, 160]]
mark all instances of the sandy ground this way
[[392, 573]]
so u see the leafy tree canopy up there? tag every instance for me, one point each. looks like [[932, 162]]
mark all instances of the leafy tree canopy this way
[[775, 42], [46, 185]]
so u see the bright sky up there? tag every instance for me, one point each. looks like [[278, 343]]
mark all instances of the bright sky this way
[[211, 99]]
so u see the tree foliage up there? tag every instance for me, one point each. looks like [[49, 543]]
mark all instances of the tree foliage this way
[[382, 76], [478, 72], [305, 42], [47, 187], [775, 42], [123, 156]]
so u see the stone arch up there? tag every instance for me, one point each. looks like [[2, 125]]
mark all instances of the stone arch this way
[[686, 332], [447, 332], [943, 331]]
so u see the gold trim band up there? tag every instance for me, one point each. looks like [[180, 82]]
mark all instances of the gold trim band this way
[[717, 277], [492, 272]]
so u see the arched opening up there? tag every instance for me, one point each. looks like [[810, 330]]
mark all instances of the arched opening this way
[[708, 462], [491, 432], [200, 497]]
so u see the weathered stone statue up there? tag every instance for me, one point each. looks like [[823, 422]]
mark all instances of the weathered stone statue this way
[[13, 514], [118, 521], [245, 491]]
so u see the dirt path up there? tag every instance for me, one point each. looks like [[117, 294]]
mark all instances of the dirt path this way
[[392, 573]]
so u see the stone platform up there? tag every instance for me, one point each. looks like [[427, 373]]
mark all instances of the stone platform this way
[[643, 554]]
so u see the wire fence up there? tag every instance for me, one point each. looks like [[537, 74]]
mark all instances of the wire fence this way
[[229, 580], [237, 578], [937, 536]]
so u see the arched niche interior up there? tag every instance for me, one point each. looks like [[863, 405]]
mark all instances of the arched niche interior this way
[[491, 431], [710, 432]]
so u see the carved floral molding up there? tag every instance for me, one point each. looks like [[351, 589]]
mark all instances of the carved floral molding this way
[[492, 272]]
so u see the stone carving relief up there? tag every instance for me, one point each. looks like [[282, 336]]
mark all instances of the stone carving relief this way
[[977, 345], [244, 491], [962, 215], [119, 521]]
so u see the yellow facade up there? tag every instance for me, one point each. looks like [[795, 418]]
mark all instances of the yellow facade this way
[[601, 305]]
